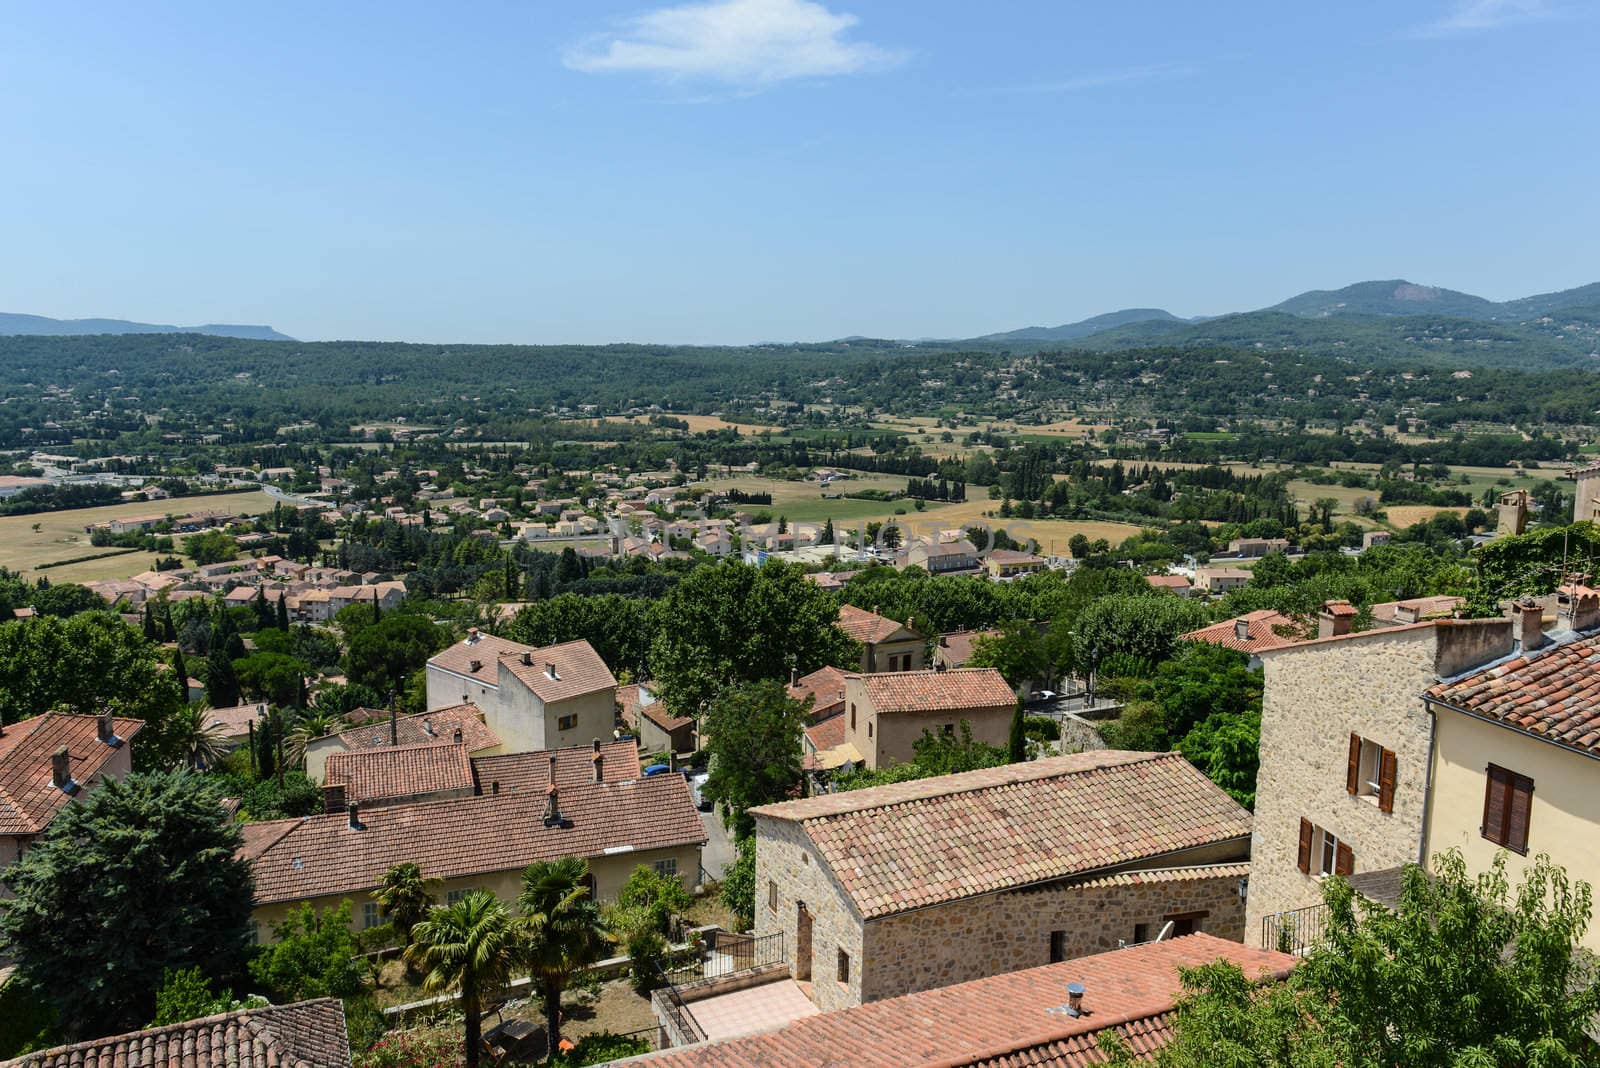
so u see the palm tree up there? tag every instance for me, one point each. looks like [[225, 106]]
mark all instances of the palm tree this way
[[562, 930], [196, 736], [309, 724], [406, 898], [469, 946]]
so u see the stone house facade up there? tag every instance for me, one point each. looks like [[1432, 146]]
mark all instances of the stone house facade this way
[[893, 889], [885, 644], [1345, 750], [887, 713]]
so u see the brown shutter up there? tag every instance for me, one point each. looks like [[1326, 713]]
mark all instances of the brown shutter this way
[[1386, 781], [1344, 861], [1521, 800], [1305, 845], [1494, 805], [1352, 775]]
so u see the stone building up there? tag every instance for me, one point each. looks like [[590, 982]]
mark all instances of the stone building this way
[[886, 713], [893, 889], [1345, 750], [1586, 500], [550, 698], [885, 644]]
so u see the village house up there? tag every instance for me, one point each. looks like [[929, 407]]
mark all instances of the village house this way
[[1003, 565], [942, 557], [50, 760], [303, 1034], [885, 644], [481, 842], [1178, 584], [547, 698], [1220, 580], [1251, 633], [657, 729], [389, 729], [231, 726], [1346, 750], [1253, 548], [1050, 1016], [893, 889], [886, 713], [954, 648]]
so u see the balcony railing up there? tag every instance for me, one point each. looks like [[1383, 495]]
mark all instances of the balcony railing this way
[[726, 954], [1294, 931]]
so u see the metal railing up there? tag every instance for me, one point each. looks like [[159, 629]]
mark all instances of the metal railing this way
[[725, 954], [1294, 931]]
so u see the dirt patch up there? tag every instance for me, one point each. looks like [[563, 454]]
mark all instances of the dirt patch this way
[[1405, 515]]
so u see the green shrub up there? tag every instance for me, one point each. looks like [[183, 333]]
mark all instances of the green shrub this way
[[647, 952], [598, 1048]]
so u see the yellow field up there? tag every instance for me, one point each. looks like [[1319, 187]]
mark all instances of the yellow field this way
[[1051, 534], [61, 535], [1404, 515], [698, 424]]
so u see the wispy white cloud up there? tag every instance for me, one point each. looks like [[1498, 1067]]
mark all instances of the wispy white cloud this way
[[734, 42], [1474, 16], [1083, 82]]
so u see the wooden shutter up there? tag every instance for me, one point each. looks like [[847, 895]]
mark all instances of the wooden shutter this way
[[1386, 781], [1520, 800], [1305, 845], [1494, 805], [1352, 775], [1344, 860]]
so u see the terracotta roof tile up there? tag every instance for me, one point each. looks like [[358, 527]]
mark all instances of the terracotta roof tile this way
[[821, 690], [425, 727], [306, 1034], [956, 647], [236, 720], [399, 771], [1262, 629], [1550, 693], [319, 856], [578, 669], [827, 733], [619, 762], [866, 626], [909, 845], [1003, 1020], [29, 800], [932, 691]]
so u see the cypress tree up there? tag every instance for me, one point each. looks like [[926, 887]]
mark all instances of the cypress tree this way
[[283, 612], [1019, 737]]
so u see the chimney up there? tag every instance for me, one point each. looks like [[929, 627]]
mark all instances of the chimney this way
[[1074, 999], [61, 769], [550, 671], [456, 736], [472, 635], [355, 816], [1585, 609], [552, 811], [494, 787], [476, 666], [527, 658], [427, 726], [599, 765], [1241, 630], [1527, 624], [394, 727], [103, 727], [1405, 613], [1335, 619], [794, 676]]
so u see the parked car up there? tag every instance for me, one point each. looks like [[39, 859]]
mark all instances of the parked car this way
[[697, 788]]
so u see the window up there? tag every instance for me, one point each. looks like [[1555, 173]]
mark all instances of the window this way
[[567, 723], [255, 932], [948, 730], [852, 715], [1058, 946], [1321, 852], [772, 895], [1370, 773], [667, 866], [370, 916], [1507, 802], [869, 728], [1184, 923], [453, 896], [844, 968], [1141, 933]]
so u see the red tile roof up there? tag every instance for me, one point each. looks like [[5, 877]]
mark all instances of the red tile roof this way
[[399, 771], [320, 856], [826, 733], [1168, 582], [306, 1034], [1421, 608], [866, 626], [1004, 1021], [821, 690], [935, 691], [909, 845], [619, 762], [955, 648], [425, 727], [235, 721], [29, 799], [1550, 693], [578, 668], [1262, 627]]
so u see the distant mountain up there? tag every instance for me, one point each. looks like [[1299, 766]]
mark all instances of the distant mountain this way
[[39, 324], [1085, 327], [1394, 297]]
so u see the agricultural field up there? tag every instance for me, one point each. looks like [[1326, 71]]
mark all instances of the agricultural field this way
[[61, 535], [698, 424], [1404, 515]]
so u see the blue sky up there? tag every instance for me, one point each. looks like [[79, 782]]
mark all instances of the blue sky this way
[[744, 170]]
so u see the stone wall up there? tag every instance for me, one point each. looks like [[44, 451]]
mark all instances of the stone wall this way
[[1316, 695], [1001, 933], [786, 858]]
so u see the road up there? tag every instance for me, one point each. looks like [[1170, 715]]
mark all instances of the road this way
[[718, 851]]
